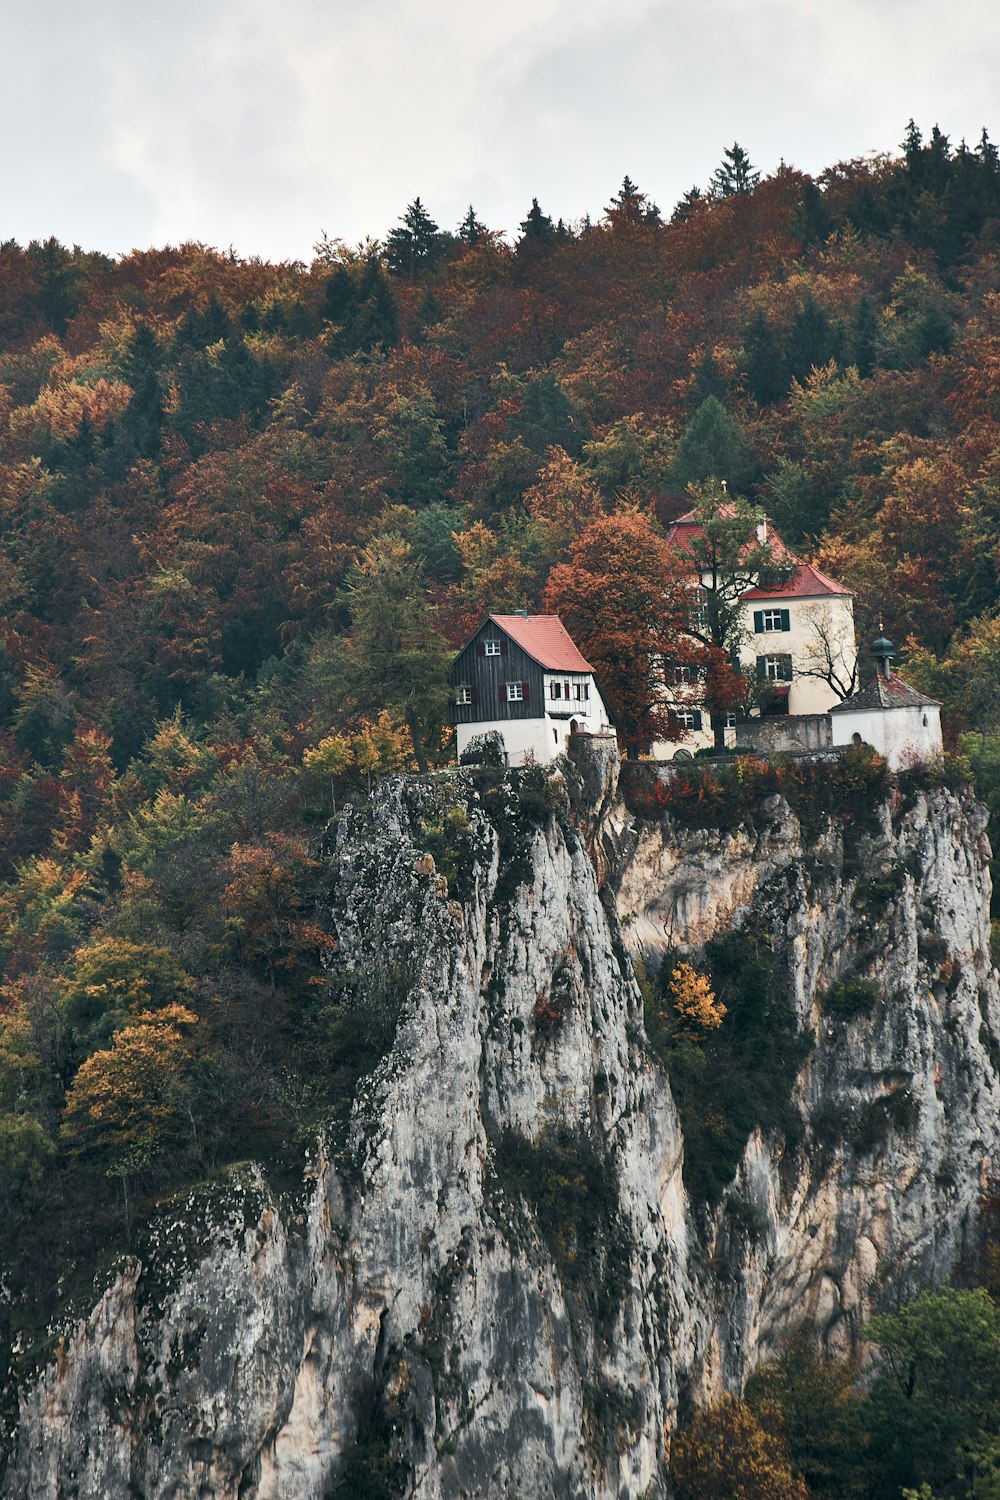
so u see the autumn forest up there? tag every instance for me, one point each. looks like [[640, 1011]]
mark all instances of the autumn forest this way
[[248, 511]]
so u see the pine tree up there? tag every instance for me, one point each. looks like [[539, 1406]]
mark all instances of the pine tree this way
[[413, 246], [537, 228], [377, 319], [631, 208], [712, 447], [471, 230], [765, 367], [693, 200], [735, 174]]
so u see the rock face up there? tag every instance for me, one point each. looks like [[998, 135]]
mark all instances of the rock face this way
[[495, 1283]]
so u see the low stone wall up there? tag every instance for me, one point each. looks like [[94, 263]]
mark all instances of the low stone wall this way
[[791, 732]]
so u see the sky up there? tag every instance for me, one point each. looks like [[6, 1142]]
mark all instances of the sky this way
[[263, 124]]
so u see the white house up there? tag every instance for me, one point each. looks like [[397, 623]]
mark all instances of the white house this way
[[522, 676], [903, 725], [797, 638]]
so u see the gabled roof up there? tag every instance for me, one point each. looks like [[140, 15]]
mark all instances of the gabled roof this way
[[806, 582], [684, 530], [885, 692], [546, 640]]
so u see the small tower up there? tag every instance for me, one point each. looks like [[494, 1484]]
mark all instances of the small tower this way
[[884, 653], [888, 714]]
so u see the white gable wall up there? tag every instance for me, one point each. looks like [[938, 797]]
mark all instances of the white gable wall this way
[[904, 736]]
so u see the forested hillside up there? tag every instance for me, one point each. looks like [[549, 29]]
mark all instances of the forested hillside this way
[[248, 510]]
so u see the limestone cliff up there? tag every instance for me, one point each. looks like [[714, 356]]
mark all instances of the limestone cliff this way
[[494, 1282]]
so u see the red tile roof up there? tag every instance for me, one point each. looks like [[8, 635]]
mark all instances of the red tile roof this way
[[546, 640], [806, 582], [687, 527]]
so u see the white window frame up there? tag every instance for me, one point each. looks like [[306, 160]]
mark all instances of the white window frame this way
[[770, 620], [491, 648], [774, 668], [515, 692], [685, 717], [682, 675], [463, 695]]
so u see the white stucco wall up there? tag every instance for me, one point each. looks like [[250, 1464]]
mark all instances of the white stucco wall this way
[[817, 627], [542, 740], [905, 736]]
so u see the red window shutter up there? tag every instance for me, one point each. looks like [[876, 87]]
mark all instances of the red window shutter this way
[[503, 648], [503, 692], [524, 691], [480, 648], [475, 695]]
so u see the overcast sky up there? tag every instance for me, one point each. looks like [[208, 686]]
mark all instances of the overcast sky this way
[[262, 123]]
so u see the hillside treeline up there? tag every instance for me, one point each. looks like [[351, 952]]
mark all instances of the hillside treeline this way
[[246, 511]]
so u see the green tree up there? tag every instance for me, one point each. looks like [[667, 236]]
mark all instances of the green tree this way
[[713, 447], [631, 208], [734, 174], [395, 657], [415, 244], [472, 229], [936, 1401], [822, 1417]]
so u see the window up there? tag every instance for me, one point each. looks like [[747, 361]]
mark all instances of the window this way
[[766, 620], [557, 690], [682, 675], [730, 721], [464, 693], [515, 692], [491, 648], [586, 692], [774, 668], [687, 718], [698, 614]]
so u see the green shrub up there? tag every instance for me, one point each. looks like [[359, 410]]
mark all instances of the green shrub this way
[[571, 1186], [896, 1111], [740, 1075], [850, 997]]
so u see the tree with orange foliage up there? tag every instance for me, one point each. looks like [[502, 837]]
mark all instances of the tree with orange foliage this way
[[694, 999], [623, 597], [728, 1454], [124, 1105]]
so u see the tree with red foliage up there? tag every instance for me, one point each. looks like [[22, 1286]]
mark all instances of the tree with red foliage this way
[[623, 596]]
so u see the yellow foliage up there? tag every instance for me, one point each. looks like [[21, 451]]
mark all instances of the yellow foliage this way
[[727, 1454], [60, 409], [694, 999], [125, 1102]]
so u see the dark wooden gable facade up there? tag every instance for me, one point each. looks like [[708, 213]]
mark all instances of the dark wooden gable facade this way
[[489, 677]]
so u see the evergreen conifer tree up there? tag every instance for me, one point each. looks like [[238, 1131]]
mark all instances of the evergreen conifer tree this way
[[471, 229], [734, 174]]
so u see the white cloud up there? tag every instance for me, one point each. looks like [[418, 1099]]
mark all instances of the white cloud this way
[[259, 123]]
